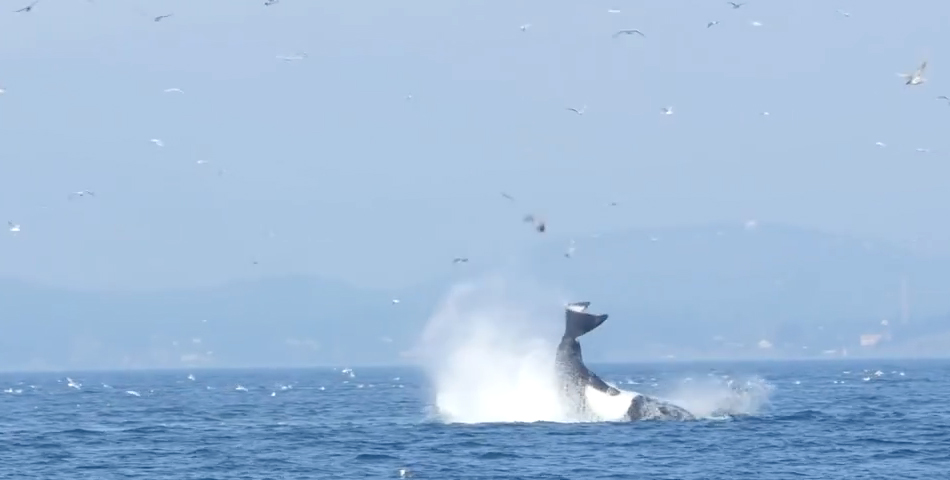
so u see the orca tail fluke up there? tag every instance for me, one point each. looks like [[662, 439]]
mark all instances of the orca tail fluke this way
[[578, 321]]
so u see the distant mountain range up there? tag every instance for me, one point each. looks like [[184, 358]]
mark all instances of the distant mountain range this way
[[712, 291]]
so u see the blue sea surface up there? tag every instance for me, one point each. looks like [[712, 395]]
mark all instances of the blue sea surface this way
[[868, 419]]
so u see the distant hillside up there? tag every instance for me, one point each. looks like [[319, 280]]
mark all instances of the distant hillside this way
[[709, 291], [283, 321], [706, 288]]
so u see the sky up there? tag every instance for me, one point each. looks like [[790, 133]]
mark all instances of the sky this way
[[323, 166]]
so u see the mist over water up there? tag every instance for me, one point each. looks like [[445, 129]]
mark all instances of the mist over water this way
[[489, 352]]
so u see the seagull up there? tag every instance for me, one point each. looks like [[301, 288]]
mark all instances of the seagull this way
[[160, 17], [28, 8], [712, 23], [736, 5], [917, 77], [880, 144], [173, 90], [612, 204], [509, 197], [756, 23], [570, 250], [942, 97], [82, 193], [13, 227], [157, 142], [667, 110], [460, 260], [579, 112], [923, 150], [539, 224], [270, 2], [2, 91], [629, 32], [843, 13], [613, 10], [525, 27], [291, 58], [395, 301]]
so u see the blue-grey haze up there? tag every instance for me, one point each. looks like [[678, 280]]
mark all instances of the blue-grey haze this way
[[323, 178]]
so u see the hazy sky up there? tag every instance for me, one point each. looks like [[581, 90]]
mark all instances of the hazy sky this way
[[357, 182]]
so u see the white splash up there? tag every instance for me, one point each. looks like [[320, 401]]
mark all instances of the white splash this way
[[721, 397], [486, 361], [489, 352]]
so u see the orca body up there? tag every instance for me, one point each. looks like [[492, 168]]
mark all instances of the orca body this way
[[573, 376]]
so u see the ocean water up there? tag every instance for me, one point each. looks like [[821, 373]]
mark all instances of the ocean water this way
[[796, 420]]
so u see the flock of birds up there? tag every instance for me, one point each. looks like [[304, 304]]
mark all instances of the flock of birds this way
[[911, 79], [539, 224]]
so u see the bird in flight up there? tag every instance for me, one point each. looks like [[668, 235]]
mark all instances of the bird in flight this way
[[28, 8], [944, 98], [509, 197], [270, 2], [539, 224], [160, 17], [291, 58], [570, 250], [712, 23], [81, 193], [173, 90], [579, 112], [736, 5], [917, 77], [14, 227], [460, 260], [667, 110], [629, 32]]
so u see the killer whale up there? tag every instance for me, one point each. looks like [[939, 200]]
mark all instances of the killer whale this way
[[574, 377]]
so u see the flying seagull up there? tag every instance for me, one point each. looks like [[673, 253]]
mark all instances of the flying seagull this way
[[736, 5], [291, 58], [509, 197], [81, 193], [14, 227], [712, 23], [944, 98], [539, 224], [173, 90], [667, 110], [525, 27], [629, 32], [579, 112], [270, 2], [843, 13], [460, 260], [570, 250], [28, 8], [917, 77], [157, 142], [160, 17]]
